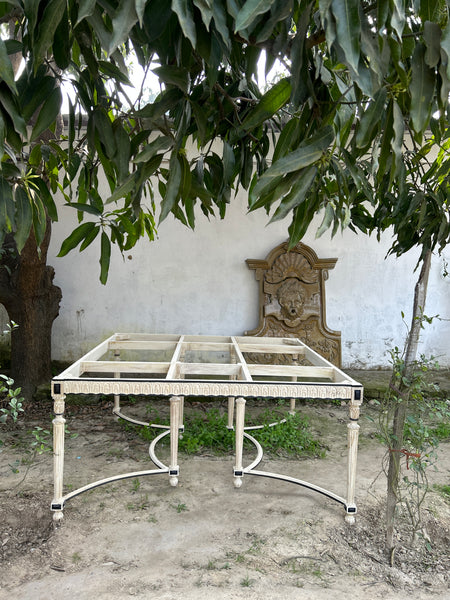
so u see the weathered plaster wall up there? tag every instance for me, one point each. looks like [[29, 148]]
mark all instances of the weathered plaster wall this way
[[198, 283]]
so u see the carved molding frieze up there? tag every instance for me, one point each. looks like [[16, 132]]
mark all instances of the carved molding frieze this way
[[208, 388]]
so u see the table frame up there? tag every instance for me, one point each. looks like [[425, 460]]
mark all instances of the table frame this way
[[187, 373]]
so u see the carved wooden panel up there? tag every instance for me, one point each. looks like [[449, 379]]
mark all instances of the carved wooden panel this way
[[292, 299]]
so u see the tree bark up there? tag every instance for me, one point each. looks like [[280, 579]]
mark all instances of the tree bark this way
[[32, 301], [400, 413]]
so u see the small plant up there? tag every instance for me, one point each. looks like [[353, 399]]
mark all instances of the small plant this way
[[413, 420], [443, 490], [142, 504], [246, 581], [136, 485], [42, 440], [181, 508], [76, 557]]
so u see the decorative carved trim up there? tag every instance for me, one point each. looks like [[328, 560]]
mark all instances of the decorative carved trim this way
[[209, 388], [292, 299]]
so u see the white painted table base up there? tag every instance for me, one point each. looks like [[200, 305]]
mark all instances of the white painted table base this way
[[238, 381]]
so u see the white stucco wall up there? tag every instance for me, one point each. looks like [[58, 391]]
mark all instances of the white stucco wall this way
[[198, 283]]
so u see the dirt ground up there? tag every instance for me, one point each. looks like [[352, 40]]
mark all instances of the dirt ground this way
[[205, 539]]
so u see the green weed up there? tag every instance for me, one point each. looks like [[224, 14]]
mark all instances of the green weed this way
[[443, 490], [246, 581], [207, 432]]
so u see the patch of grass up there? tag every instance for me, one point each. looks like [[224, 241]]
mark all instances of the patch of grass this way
[[142, 504], [207, 432], [76, 557], [136, 485], [180, 507], [246, 581], [443, 490], [442, 431]]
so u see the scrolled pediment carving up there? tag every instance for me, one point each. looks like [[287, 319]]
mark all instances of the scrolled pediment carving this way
[[292, 298]]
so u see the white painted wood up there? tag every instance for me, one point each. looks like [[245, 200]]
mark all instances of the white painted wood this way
[[174, 429], [239, 440], [58, 455], [177, 378], [174, 368], [109, 366], [291, 371]]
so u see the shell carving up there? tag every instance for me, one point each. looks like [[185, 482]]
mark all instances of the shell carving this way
[[292, 264]]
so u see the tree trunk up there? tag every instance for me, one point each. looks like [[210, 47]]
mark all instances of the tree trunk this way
[[402, 391], [32, 301]]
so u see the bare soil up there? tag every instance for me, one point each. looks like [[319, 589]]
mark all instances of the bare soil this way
[[204, 538]]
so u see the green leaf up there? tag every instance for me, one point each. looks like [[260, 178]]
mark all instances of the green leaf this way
[[166, 101], [445, 46], [183, 10], [348, 29], [51, 17], [122, 190], [6, 206], [309, 152], [328, 219], [87, 208], [2, 138], [85, 9], [228, 163], [35, 93], [249, 11], [48, 113], [429, 10], [173, 75], [399, 131], [10, 107], [422, 90], [432, 38], [112, 71], [122, 23], [24, 217], [160, 143], [140, 10], [44, 193], [220, 21], [398, 17], [6, 69], [89, 238], [274, 99], [77, 235], [122, 156], [205, 9], [370, 121], [62, 43], [280, 10], [173, 186], [104, 129], [299, 225], [186, 178], [201, 120], [39, 219], [297, 195], [105, 257]]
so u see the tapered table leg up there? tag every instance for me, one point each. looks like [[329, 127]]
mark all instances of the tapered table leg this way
[[239, 438], [353, 434], [174, 469], [58, 456]]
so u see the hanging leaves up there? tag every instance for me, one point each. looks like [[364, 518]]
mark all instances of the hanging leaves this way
[[327, 134]]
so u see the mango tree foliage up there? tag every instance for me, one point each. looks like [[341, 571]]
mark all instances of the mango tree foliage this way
[[358, 80]]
